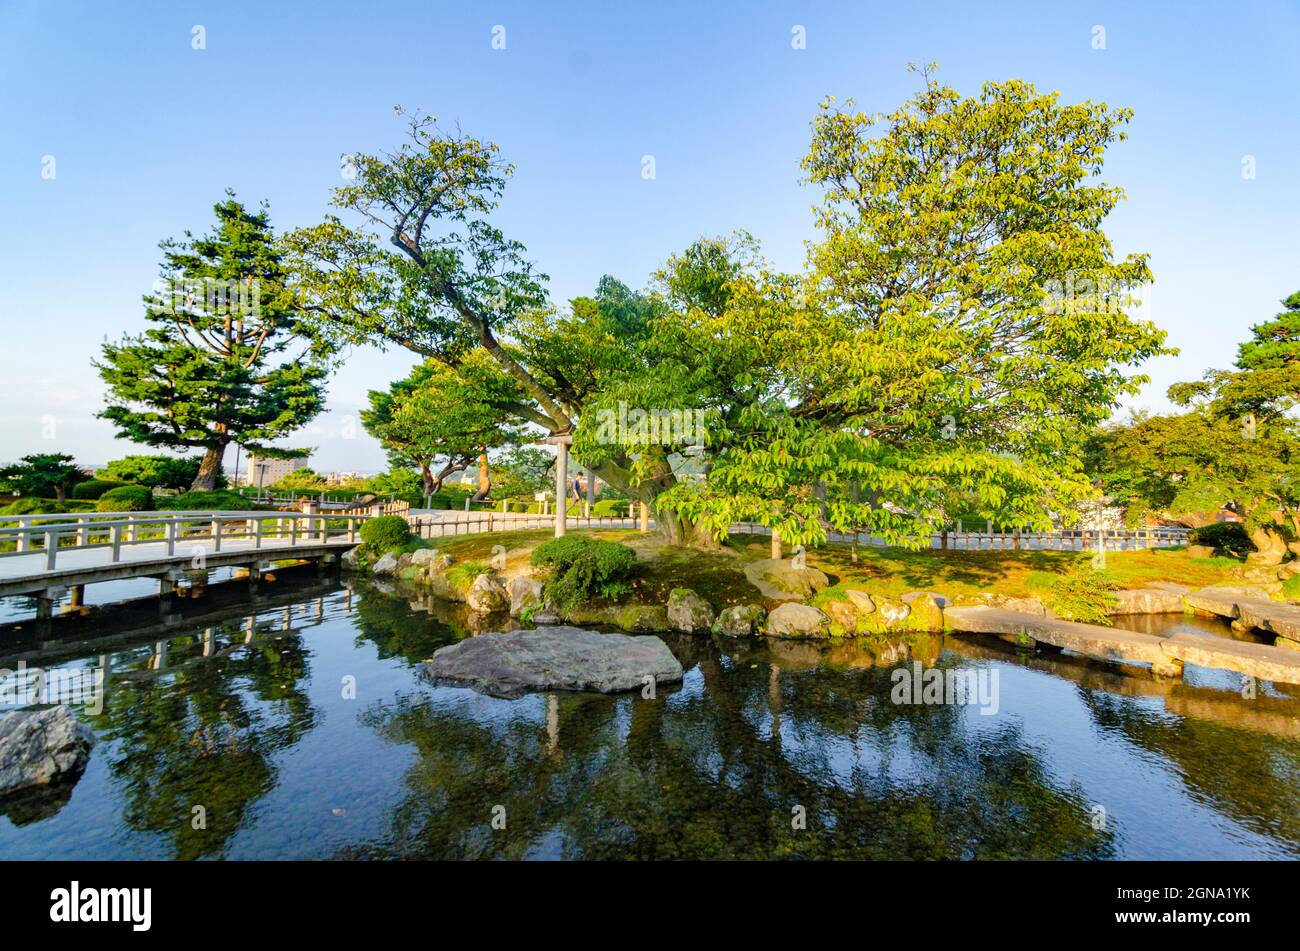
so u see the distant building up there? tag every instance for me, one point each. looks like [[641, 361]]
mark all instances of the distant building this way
[[264, 472]]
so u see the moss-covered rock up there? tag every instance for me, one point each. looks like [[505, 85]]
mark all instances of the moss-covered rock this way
[[797, 621], [740, 620], [688, 612], [925, 611], [780, 580]]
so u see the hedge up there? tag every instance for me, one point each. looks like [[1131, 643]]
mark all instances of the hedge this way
[[93, 489], [126, 498]]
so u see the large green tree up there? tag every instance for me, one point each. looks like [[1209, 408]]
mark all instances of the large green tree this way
[[159, 471], [963, 323], [226, 356]]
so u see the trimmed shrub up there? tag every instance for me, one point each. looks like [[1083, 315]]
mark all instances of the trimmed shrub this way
[[584, 568], [218, 500], [385, 533], [30, 506], [1226, 538], [1084, 594], [94, 488], [606, 508], [126, 498]]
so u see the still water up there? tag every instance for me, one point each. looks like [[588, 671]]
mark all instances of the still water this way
[[296, 726]]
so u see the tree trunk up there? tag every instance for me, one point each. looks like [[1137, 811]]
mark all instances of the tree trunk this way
[[210, 468], [776, 545], [484, 479], [676, 530], [59, 494], [426, 475], [1270, 545]]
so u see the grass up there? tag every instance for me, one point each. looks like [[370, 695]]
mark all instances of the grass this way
[[718, 576]]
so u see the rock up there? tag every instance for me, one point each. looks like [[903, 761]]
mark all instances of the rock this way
[[780, 580], [740, 620], [925, 611], [861, 601], [890, 615], [1222, 600], [546, 617], [844, 617], [404, 560], [524, 593], [39, 747], [487, 596], [994, 600], [797, 620], [1147, 601], [642, 617], [512, 663], [351, 559], [1288, 570], [436, 560], [688, 612], [387, 565]]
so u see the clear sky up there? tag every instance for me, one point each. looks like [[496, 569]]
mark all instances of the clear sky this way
[[146, 133]]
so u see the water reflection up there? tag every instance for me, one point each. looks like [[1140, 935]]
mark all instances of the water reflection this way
[[240, 712]]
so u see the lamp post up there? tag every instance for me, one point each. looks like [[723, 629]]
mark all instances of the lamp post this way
[[561, 442]]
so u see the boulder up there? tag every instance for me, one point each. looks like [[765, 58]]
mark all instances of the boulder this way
[[780, 580], [925, 611], [992, 599], [1147, 601], [387, 565], [436, 560], [861, 601], [688, 612], [351, 559], [890, 615], [844, 617], [510, 664], [39, 747], [797, 620], [740, 620], [487, 596], [524, 593]]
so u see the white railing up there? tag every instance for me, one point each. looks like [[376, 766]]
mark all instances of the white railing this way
[[52, 534], [1064, 540], [428, 528]]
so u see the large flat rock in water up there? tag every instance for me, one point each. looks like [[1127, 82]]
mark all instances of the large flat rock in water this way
[[510, 664]]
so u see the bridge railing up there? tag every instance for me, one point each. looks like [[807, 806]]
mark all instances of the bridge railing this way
[[52, 534]]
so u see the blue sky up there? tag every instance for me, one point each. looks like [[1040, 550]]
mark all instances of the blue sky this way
[[147, 132]]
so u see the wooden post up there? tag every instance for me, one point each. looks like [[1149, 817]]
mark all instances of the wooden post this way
[[645, 517], [776, 545]]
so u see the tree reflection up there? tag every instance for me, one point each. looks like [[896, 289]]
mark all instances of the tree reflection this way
[[716, 772], [203, 733]]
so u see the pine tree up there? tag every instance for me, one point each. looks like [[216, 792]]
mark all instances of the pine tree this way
[[227, 356]]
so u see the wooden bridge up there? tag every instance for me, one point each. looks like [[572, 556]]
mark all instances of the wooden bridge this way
[[50, 555]]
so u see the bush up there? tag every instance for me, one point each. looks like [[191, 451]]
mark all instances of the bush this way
[[1084, 594], [1228, 538], [94, 488], [217, 500], [385, 533], [30, 506], [126, 498], [583, 568]]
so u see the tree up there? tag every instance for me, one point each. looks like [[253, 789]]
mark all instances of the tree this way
[[1237, 445], [446, 413], [964, 324], [226, 357], [304, 479], [525, 470], [42, 475], [166, 472], [962, 327]]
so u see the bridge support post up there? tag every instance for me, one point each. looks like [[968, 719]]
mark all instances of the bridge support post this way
[[77, 596], [45, 602]]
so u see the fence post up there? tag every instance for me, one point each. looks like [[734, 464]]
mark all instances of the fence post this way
[[171, 536], [51, 549], [115, 538], [216, 534]]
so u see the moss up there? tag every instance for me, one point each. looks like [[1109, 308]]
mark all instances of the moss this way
[[1291, 587], [461, 576]]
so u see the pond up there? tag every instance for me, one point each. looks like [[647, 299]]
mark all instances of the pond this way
[[295, 726]]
